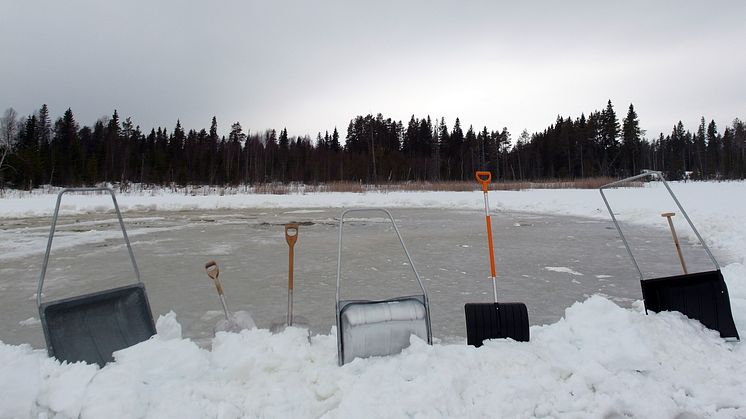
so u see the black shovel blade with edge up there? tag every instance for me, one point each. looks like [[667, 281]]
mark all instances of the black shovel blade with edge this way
[[496, 321], [702, 296]]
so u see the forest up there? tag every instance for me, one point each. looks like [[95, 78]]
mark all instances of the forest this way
[[35, 151]]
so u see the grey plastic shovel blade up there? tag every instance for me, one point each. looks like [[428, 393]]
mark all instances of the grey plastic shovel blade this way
[[92, 327]]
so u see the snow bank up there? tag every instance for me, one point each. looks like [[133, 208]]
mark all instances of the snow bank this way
[[600, 360]]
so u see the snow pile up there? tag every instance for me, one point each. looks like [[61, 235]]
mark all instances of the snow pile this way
[[600, 360]]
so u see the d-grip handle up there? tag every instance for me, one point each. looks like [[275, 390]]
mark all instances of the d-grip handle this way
[[291, 233], [213, 272], [484, 178], [291, 236]]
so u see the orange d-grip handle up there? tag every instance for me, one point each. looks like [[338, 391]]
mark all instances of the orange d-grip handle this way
[[484, 178]]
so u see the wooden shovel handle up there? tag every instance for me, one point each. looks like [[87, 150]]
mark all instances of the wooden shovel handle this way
[[213, 272], [484, 178], [668, 216], [291, 236], [291, 233]]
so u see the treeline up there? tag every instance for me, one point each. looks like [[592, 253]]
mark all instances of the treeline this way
[[35, 151]]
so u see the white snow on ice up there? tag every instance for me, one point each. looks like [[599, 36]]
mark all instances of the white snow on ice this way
[[599, 361], [562, 269]]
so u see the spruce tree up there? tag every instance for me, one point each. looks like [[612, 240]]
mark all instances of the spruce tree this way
[[714, 150], [631, 142]]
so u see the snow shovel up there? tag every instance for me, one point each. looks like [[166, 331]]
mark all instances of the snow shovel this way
[[291, 236], [368, 328], [92, 327], [494, 320], [701, 296], [234, 322], [213, 271]]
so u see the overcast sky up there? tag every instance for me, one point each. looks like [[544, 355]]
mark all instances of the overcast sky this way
[[313, 65]]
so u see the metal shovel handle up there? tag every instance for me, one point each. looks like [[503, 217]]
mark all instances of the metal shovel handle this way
[[54, 227], [659, 175]]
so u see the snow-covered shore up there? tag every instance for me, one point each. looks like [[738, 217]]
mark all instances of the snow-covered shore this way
[[600, 360]]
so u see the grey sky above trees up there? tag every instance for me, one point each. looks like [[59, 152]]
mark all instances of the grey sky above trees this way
[[313, 65]]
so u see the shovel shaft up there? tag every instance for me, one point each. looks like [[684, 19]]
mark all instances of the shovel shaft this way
[[290, 286], [484, 179], [493, 274], [291, 236], [291, 266], [489, 235], [676, 241], [290, 307], [218, 286], [225, 307]]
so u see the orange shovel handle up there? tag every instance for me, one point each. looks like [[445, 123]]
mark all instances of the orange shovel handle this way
[[492, 252], [484, 178]]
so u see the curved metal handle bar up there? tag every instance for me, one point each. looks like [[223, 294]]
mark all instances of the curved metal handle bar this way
[[339, 276], [659, 175], [398, 235], [54, 226]]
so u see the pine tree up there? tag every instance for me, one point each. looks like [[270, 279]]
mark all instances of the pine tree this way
[[212, 151], [609, 137], [455, 152], [714, 151], [335, 146], [27, 161], [67, 151], [631, 142], [700, 150]]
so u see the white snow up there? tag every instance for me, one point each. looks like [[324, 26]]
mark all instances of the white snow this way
[[599, 361], [562, 269]]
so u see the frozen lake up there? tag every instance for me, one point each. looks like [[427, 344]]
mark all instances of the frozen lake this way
[[545, 261]]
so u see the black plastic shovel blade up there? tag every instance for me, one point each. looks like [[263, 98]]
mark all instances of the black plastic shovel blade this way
[[701, 296], [92, 327], [496, 321]]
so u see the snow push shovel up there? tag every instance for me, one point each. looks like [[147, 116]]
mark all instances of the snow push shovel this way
[[92, 327], [701, 296], [494, 320], [368, 328], [234, 322]]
